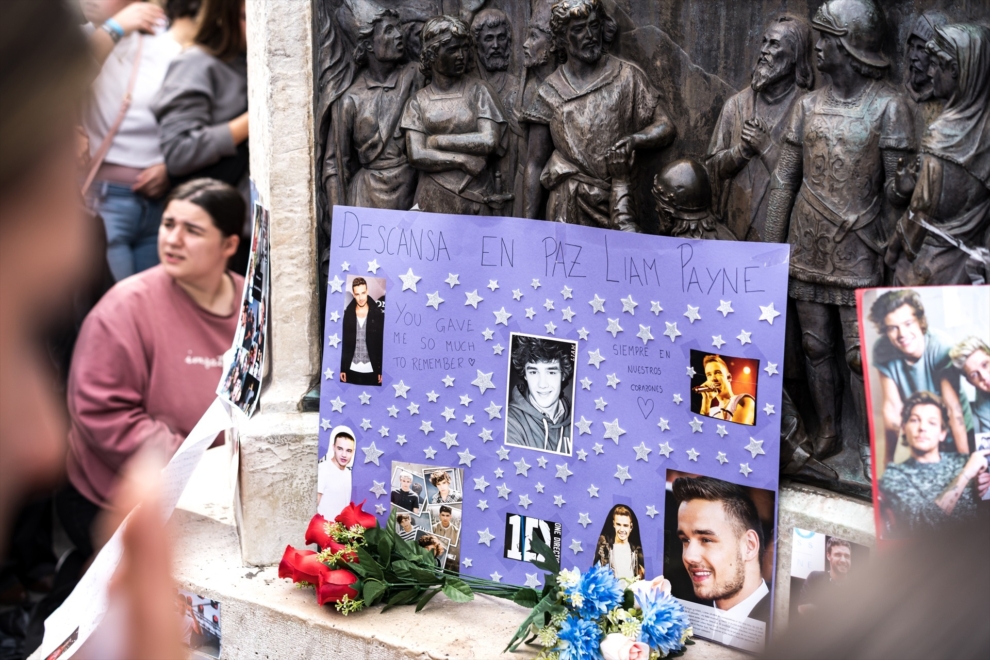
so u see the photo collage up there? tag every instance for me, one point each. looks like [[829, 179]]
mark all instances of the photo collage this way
[[200, 624], [428, 502]]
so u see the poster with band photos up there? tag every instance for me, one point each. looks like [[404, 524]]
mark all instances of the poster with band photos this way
[[596, 389]]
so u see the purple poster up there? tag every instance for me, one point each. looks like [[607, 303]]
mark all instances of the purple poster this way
[[496, 378]]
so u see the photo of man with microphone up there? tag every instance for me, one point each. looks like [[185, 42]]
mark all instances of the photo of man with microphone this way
[[727, 389]]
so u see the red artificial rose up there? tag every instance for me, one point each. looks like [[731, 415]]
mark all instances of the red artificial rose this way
[[317, 532], [354, 515], [334, 585], [301, 566]]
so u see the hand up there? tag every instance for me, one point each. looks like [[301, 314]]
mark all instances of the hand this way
[[152, 182], [626, 147], [976, 465], [906, 177], [140, 17], [894, 250], [343, 377], [470, 164], [982, 484], [379, 379], [755, 136], [619, 164]]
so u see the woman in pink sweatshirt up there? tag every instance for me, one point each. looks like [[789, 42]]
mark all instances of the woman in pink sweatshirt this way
[[148, 357]]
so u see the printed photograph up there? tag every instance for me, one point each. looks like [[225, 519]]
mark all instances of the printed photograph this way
[[444, 485], [718, 556], [447, 522], [619, 545], [541, 394], [200, 624], [927, 364], [363, 331], [409, 525], [333, 476], [408, 487], [820, 564], [435, 544], [724, 387]]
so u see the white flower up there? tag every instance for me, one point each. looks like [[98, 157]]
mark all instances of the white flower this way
[[617, 646], [569, 578], [642, 589]]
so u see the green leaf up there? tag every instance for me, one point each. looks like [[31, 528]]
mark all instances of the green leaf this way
[[358, 568], [370, 565], [411, 571], [372, 535], [549, 563], [427, 597], [372, 592], [526, 598], [536, 615], [384, 550], [401, 598], [457, 590], [405, 549]]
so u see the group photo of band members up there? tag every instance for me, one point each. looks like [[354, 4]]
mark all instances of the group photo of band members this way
[[719, 541], [540, 395], [619, 546], [724, 387], [333, 472], [428, 505], [200, 624], [927, 363], [820, 565], [363, 330]]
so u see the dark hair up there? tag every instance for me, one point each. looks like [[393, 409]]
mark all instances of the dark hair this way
[[800, 33], [416, 487], [367, 33], [426, 541], [219, 30], [736, 502], [529, 350], [220, 200], [622, 510], [347, 436], [359, 281], [445, 509], [45, 72], [431, 38], [182, 9], [438, 478], [561, 14], [924, 398], [489, 18], [833, 541], [893, 300], [403, 516]]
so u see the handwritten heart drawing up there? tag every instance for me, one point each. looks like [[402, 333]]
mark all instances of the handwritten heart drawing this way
[[471, 361], [645, 406]]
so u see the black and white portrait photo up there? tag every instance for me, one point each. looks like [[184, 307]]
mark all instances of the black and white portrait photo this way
[[541, 394]]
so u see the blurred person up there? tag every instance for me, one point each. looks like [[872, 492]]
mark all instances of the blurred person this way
[[717, 398], [182, 20], [45, 247], [127, 178], [929, 488], [838, 554], [112, 20], [132, 385], [333, 487], [971, 356]]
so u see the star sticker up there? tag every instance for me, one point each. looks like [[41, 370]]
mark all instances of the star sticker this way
[[383, 431], [567, 314], [328, 374], [365, 398], [575, 546], [539, 487], [378, 488], [548, 305], [334, 316], [466, 399], [486, 537], [430, 452], [449, 439], [503, 453], [426, 426], [655, 307], [366, 424], [717, 341], [613, 380], [492, 284], [409, 280], [755, 447], [721, 430], [743, 337], [597, 305], [612, 431], [467, 562], [336, 285], [551, 328], [693, 455], [559, 501], [532, 581], [644, 334], [480, 484], [598, 448], [338, 405], [613, 327], [530, 313], [400, 390], [448, 414], [522, 467], [566, 292], [768, 409], [483, 504], [584, 519], [695, 425], [453, 279], [592, 490], [380, 509], [721, 458], [672, 331], [585, 383], [503, 491], [629, 305], [600, 403], [771, 369], [583, 334], [502, 316], [496, 577], [744, 469], [725, 306], [541, 461], [484, 381], [595, 358], [468, 419], [563, 472], [690, 372], [472, 299], [393, 411], [524, 501], [535, 283], [434, 300], [325, 424], [642, 452], [432, 396], [768, 313], [448, 381], [651, 511], [517, 294], [401, 439], [677, 399], [663, 424], [485, 435], [665, 449], [499, 472], [692, 314], [346, 266], [371, 453], [582, 455], [488, 334], [583, 426], [373, 266], [622, 474], [334, 340]]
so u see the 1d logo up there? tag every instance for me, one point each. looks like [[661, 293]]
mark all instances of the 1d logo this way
[[519, 532]]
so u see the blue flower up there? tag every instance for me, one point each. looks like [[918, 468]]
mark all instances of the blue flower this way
[[579, 639], [664, 622], [597, 592]]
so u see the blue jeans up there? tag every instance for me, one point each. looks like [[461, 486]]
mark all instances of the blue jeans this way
[[132, 222]]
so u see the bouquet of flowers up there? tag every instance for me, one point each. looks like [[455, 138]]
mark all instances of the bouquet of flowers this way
[[592, 615]]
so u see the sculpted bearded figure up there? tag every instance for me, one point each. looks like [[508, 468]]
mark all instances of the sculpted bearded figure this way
[[591, 105], [827, 199], [917, 81], [944, 238], [745, 146], [539, 63]]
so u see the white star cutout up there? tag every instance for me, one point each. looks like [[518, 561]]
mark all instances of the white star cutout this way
[[598, 448], [486, 537], [497, 349], [492, 284], [567, 314], [532, 581], [642, 452], [448, 414], [559, 501], [720, 429], [499, 472], [400, 390], [336, 285], [548, 305], [466, 399], [488, 334], [717, 341], [592, 490], [600, 403], [541, 461], [563, 472], [401, 439], [595, 358], [663, 424], [651, 511], [481, 484], [622, 474], [467, 562], [393, 411], [672, 331], [744, 469], [503, 491], [334, 316], [575, 546], [430, 452], [517, 294], [373, 266], [485, 435], [448, 381], [539, 487], [346, 266], [371, 453], [503, 453], [496, 577], [334, 340], [524, 501], [582, 455], [768, 409], [426, 427], [522, 467], [655, 307], [365, 398], [551, 328], [380, 509], [383, 431], [325, 424], [583, 426], [693, 455], [338, 404], [613, 380], [692, 314], [678, 399], [771, 369], [690, 372], [583, 334], [612, 431], [484, 381], [483, 504], [743, 337], [432, 396], [597, 304], [472, 299], [449, 439], [378, 488], [366, 424], [502, 316], [566, 292], [725, 306], [328, 374], [755, 447], [721, 458], [468, 419], [613, 327], [584, 519], [434, 300], [768, 313], [665, 449], [530, 313], [696, 425], [466, 457], [585, 383], [535, 283], [494, 411], [453, 279], [409, 280], [629, 305], [644, 334]]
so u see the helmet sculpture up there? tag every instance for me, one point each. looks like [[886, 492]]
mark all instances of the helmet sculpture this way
[[859, 24], [682, 190]]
